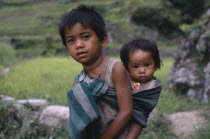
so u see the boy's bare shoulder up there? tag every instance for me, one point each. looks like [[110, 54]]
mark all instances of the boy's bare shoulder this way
[[119, 69], [118, 66]]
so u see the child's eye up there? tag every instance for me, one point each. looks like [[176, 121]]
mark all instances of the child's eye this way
[[135, 67], [85, 37], [70, 40], [147, 65]]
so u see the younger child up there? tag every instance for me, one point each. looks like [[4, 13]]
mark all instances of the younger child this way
[[83, 33], [141, 59]]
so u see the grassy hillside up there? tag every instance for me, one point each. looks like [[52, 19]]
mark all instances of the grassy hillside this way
[[30, 26]]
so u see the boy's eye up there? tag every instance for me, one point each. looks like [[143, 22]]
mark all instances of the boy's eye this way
[[85, 37], [70, 40]]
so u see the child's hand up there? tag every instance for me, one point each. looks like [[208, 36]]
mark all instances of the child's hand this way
[[136, 86]]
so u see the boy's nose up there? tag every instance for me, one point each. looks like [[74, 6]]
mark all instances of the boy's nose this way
[[79, 44]]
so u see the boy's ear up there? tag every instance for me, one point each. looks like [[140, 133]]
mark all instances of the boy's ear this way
[[155, 69], [105, 40]]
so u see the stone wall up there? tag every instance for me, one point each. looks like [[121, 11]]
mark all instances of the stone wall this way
[[48, 117], [190, 73]]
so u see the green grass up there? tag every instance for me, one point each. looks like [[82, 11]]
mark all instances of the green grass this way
[[48, 78]]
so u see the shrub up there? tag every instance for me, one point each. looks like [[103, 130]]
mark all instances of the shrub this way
[[190, 9], [11, 127], [156, 19], [23, 44], [157, 128]]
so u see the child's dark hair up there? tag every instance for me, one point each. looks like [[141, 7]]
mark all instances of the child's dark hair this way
[[86, 16], [144, 45]]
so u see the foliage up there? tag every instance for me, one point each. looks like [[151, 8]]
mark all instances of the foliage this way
[[203, 133], [7, 55], [156, 18], [190, 9], [11, 128], [157, 128]]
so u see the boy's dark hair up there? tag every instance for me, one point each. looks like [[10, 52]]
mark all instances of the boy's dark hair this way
[[86, 16], [144, 45]]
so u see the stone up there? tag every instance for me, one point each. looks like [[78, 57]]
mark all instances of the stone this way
[[190, 73], [19, 110], [37, 103], [206, 95], [55, 116], [184, 124], [6, 99]]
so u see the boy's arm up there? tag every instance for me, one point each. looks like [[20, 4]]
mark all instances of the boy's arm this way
[[124, 99], [134, 131], [75, 83]]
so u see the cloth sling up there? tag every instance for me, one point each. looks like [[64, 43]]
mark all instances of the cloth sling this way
[[84, 111]]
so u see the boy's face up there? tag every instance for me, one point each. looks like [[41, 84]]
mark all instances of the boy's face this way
[[83, 44], [141, 66]]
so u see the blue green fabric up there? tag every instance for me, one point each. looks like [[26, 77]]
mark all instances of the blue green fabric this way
[[84, 111], [82, 106]]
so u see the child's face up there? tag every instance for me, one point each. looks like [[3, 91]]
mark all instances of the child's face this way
[[83, 44], [141, 66]]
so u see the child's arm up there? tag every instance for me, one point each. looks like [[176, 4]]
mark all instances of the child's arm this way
[[124, 99], [134, 131]]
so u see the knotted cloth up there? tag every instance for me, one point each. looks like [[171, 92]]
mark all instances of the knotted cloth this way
[[83, 109]]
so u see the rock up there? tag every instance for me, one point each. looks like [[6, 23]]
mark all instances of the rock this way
[[6, 99], [183, 124], [19, 110], [54, 116], [190, 72], [207, 83], [35, 103]]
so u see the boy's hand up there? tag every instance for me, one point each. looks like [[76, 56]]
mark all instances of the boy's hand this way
[[74, 84], [136, 86]]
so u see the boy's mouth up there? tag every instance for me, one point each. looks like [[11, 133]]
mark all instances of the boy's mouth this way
[[81, 54]]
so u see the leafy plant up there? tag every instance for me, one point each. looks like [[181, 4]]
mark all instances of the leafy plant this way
[[9, 124], [157, 128]]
